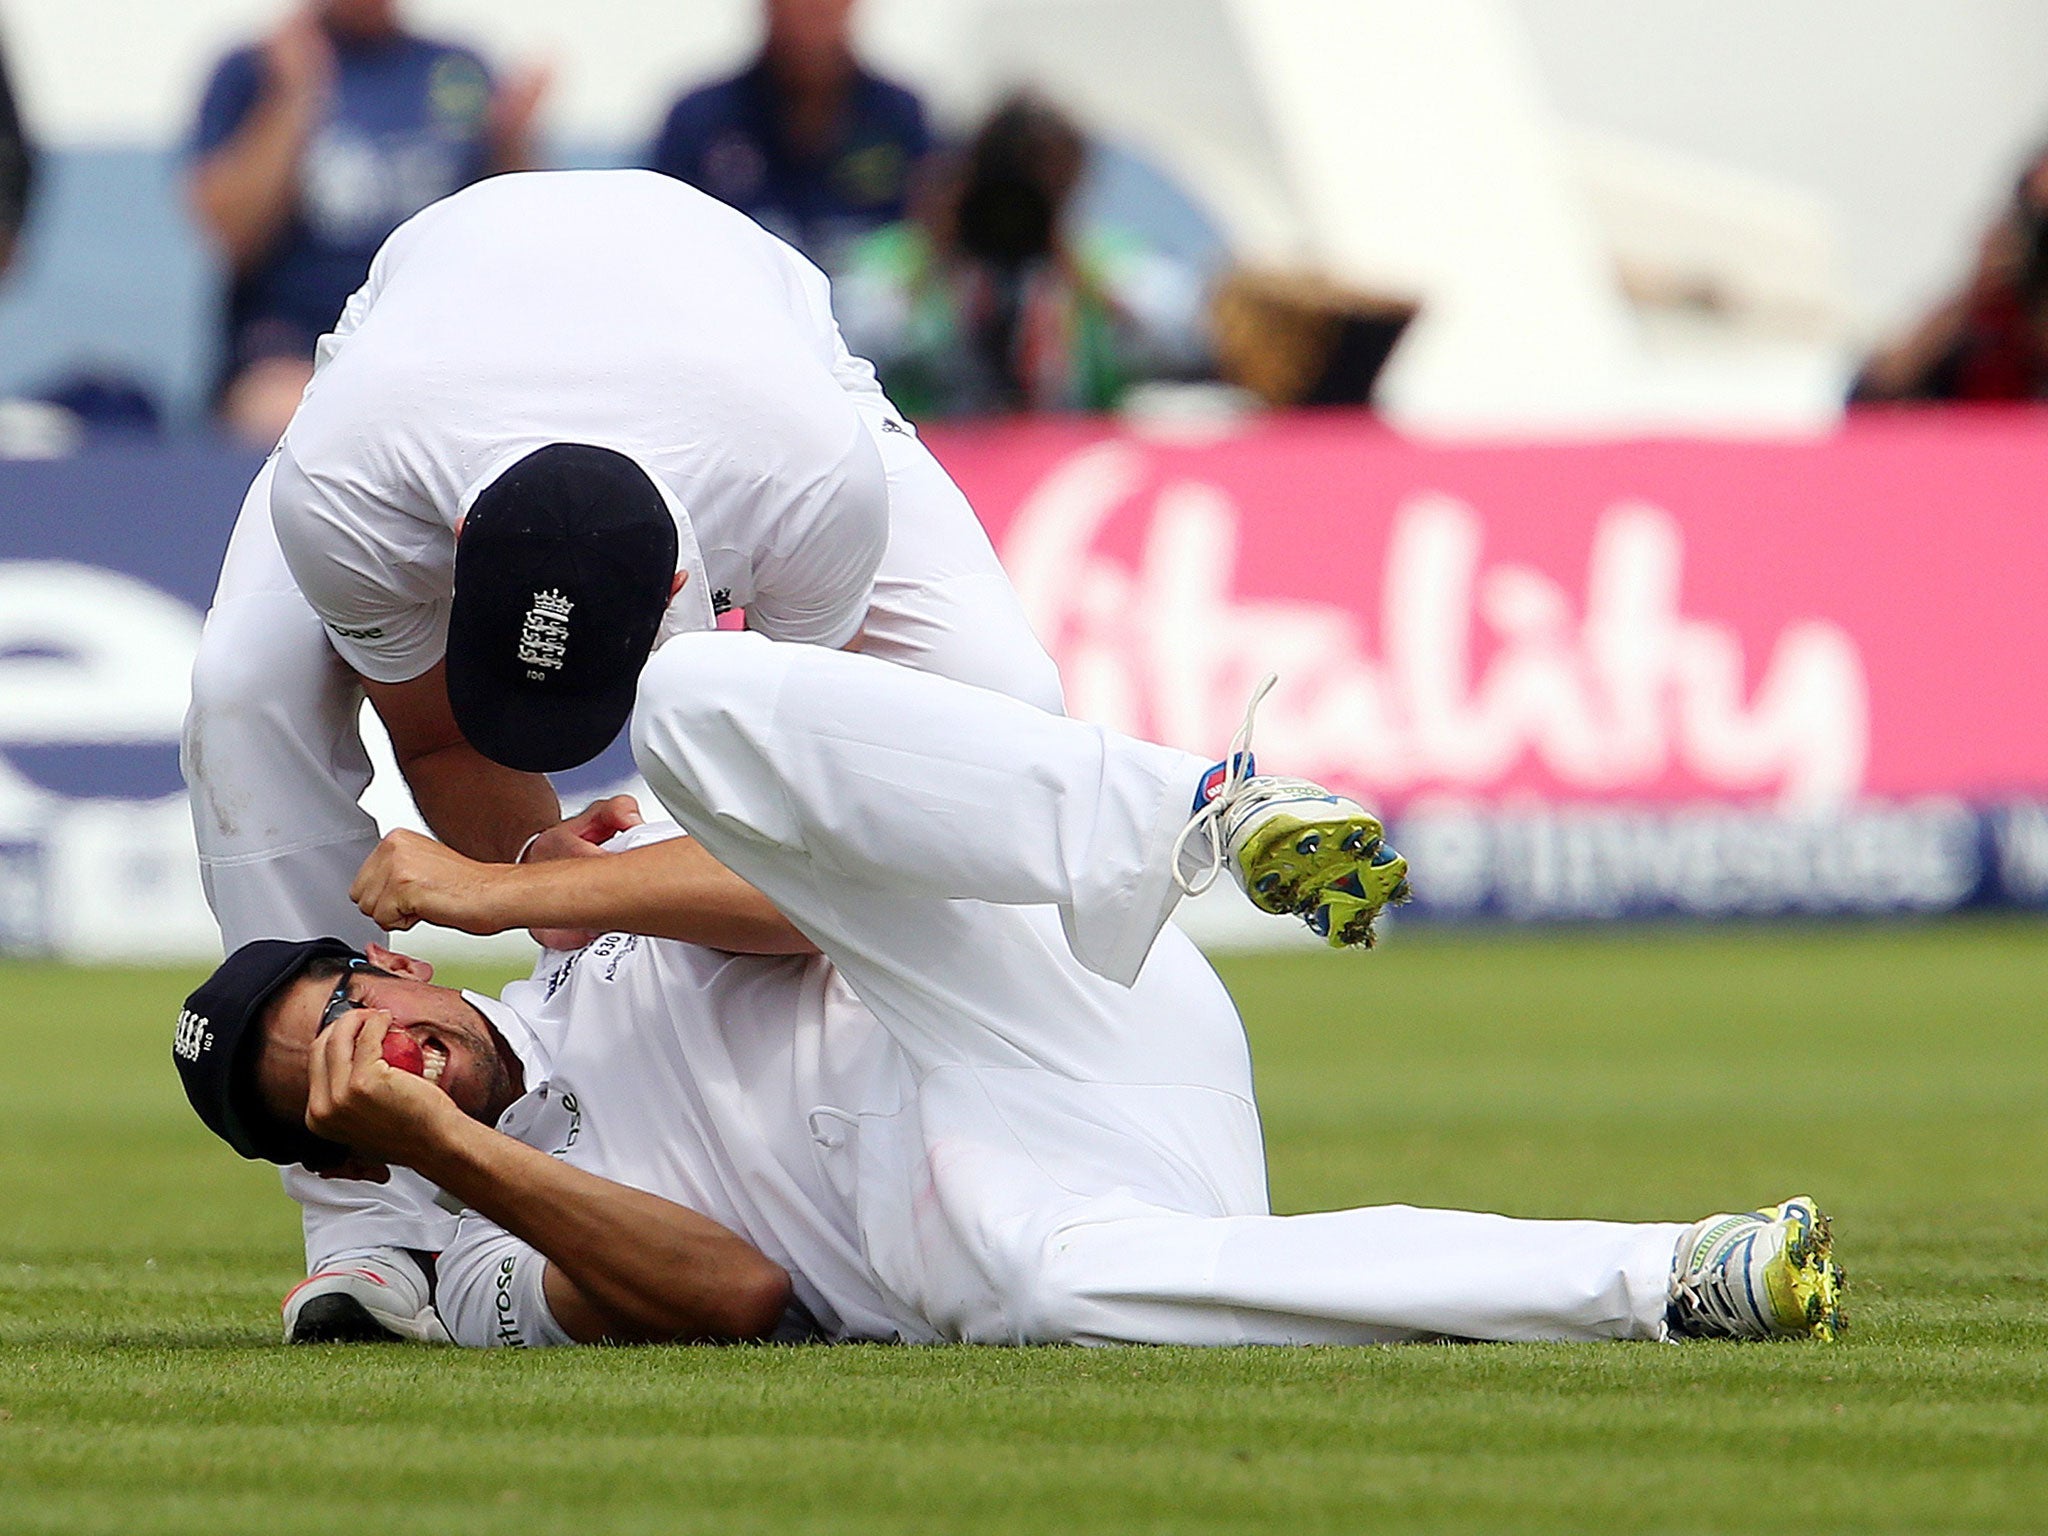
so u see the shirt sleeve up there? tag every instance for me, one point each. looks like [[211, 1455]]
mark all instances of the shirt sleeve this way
[[237, 81], [380, 580], [490, 1292], [812, 585]]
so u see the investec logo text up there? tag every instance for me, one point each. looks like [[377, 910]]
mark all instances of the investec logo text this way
[[1609, 695]]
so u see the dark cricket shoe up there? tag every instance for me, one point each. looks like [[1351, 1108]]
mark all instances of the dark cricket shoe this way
[[368, 1299]]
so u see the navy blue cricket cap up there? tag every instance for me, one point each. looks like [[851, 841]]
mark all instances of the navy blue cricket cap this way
[[219, 1040], [563, 570]]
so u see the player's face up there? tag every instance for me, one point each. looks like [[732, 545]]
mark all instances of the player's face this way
[[465, 1059]]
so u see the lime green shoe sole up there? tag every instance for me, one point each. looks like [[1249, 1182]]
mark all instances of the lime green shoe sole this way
[[1805, 1282], [1336, 872]]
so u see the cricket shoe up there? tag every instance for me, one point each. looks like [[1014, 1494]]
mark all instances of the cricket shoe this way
[[1767, 1274], [364, 1298], [1291, 845]]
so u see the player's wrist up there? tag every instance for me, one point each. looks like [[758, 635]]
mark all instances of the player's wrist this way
[[448, 1148]]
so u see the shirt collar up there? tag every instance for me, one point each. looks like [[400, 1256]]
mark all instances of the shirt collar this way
[[536, 1061]]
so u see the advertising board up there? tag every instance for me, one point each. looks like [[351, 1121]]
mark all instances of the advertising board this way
[[1714, 677], [1587, 680]]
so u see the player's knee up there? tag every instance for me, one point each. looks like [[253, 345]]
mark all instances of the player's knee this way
[[263, 667], [233, 671], [682, 670], [693, 693], [705, 682], [677, 695]]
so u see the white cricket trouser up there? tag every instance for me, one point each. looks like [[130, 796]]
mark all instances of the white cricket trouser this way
[[275, 763], [1082, 1160]]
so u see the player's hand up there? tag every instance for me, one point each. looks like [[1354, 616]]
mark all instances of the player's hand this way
[[410, 879], [586, 832], [356, 1098], [578, 837]]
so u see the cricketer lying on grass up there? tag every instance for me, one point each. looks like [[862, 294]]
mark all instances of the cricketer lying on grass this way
[[945, 1129], [616, 308]]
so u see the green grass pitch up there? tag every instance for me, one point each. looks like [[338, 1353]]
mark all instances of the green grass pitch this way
[[1899, 1074]]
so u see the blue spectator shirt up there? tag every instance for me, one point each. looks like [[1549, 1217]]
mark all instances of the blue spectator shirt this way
[[726, 139], [404, 128]]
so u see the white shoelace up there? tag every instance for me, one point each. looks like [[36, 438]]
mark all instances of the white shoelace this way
[[1237, 763], [1710, 1296]]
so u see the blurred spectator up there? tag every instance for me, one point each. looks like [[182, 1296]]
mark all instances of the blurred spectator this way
[[311, 147], [17, 169], [1988, 341], [804, 140], [990, 302]]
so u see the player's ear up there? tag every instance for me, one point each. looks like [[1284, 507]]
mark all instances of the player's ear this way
[[399, 965]]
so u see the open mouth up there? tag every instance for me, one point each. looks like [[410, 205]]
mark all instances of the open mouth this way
[[435, 1061]]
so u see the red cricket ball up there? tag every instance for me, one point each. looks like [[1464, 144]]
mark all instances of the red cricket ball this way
[[402, 1053]]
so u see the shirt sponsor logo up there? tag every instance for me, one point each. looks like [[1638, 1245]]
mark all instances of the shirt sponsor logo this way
[[544, 635], [501, 1302], [559, 977], [1478, 675], [574, 1111], [195, 1035], [365, 632]]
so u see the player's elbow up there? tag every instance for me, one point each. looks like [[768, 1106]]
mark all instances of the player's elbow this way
[[751, 1307], [745, 1302]]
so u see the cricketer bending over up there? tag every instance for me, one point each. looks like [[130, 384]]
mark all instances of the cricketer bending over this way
[[950, 1131], [642, 321]]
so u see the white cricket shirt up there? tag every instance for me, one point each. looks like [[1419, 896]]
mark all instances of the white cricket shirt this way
[[620, 308], [724, 1083]]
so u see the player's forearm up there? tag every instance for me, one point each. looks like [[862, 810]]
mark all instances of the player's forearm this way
[[478, 807], [638, 1268], [670, 890], [244, 192], [667, 890]]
